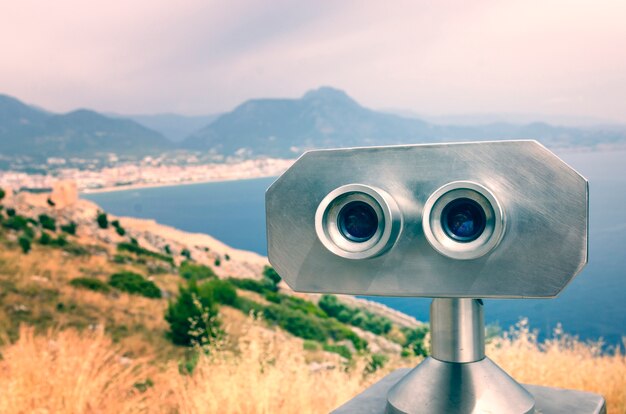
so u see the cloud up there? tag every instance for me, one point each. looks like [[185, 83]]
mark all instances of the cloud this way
[[558, 57]]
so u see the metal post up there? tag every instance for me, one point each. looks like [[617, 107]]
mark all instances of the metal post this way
[[457, 330]]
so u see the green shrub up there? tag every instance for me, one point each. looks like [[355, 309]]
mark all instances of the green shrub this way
[[339, 349], [220, 291], [103, 220], [2, 193], [186, 253], [376, 362], [192, 318], [296, 322], [167, 249], [226, 257], [271, 274], [10, 212], [118, 227], [309, 345], [189, 270], [250, 284], [135, 284], [217, 262], [138, 250], [248, 306], [69, 228], [356, 317], [90, 283], [60, 241], [47, 222], [24, 243], [15, 222], [45, 239], [415, 340], [75, 249]]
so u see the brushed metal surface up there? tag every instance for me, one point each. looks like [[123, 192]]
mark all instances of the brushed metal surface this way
[[544, 244], [442, 387], [548, 400], [457, 330]]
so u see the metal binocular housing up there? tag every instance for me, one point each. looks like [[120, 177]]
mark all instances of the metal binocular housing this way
[[456, 222], [469, 220]]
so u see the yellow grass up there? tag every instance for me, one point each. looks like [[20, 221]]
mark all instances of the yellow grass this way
[[562, 362], [67, 372]]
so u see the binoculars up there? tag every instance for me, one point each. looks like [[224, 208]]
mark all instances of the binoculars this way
[[455, 222]]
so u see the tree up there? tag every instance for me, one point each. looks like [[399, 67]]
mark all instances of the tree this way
[[193, 318], [102, 219], [272, 275]]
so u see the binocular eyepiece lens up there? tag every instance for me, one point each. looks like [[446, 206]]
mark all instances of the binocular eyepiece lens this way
[[357, 221], [463, 220]]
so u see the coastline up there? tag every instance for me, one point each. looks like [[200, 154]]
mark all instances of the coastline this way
[[142, 186]]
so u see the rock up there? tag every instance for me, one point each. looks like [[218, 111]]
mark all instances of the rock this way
[[64, 193]]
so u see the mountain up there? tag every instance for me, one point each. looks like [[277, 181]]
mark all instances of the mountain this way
[[172, 126], [324, 117], [327, 117], [25, 130]]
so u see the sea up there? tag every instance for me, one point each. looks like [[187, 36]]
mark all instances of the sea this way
[[592, 307]]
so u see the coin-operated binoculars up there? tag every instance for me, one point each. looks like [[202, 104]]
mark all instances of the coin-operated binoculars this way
[[455, 222]]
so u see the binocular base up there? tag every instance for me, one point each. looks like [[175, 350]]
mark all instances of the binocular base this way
[[548, 400]]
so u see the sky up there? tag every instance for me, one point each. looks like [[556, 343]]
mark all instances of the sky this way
[[552, 57]]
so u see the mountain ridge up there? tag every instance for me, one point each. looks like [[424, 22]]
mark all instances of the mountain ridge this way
[[325, 117]]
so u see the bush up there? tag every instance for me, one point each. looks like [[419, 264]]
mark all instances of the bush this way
[[250, 284], [220, 291], [270, 274], [415, 340], [217, 262], [24, 243], [45, 239], [47, 222], [377, 362], [189, 270], [10, 212], [69, 228], [356, 317], [15, 222], [2, 193], [309, 345], [338, 349], [90, 283], [186, 253], [118, 227], [138, 250], [192, 318], [135, 284], [102, 219]]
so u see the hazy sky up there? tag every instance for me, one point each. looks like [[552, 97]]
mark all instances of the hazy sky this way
[[558, 57]]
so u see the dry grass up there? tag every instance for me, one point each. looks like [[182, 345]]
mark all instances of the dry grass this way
[[268, 375], [562, 362], [69, 372]]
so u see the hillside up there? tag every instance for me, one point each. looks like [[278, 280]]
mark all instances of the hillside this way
[[65, 310], [28, 131]]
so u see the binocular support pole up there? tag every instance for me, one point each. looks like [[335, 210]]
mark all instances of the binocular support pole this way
[[458, 377]]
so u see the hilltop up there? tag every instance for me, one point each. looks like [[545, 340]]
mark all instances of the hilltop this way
[[69, 307]]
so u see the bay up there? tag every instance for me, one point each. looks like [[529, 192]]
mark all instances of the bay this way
[[593, 306]]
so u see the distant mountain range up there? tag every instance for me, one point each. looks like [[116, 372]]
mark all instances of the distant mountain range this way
[[27, 130], [322, 118]]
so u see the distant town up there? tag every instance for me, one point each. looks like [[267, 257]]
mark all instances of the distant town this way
[[146, 172]]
